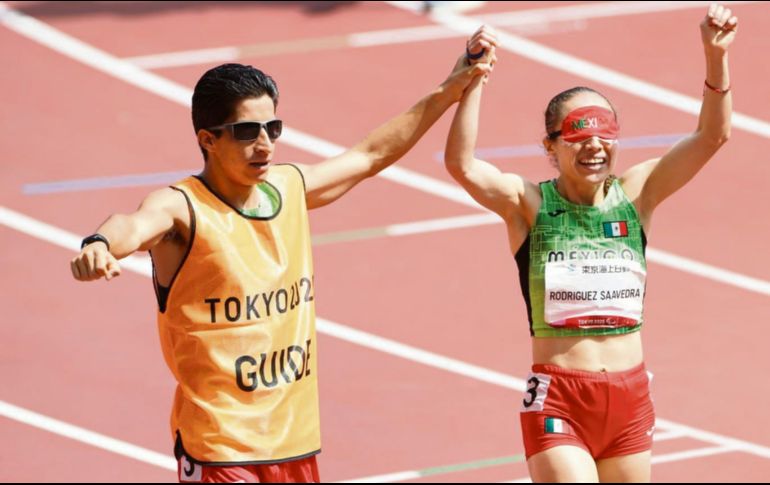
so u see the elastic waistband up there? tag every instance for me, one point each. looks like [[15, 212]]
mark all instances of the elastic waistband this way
[[588, 375]]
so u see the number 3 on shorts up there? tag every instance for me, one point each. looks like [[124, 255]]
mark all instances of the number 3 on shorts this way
[[537, 391]]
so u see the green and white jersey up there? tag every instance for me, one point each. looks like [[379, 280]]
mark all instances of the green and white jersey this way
[[582, 268]]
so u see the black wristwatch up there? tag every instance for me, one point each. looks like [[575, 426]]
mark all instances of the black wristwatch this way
[[94, 238]]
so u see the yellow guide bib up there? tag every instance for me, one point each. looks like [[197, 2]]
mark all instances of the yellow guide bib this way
[[238, 329]]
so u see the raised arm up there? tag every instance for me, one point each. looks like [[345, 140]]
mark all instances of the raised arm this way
[[328, 180], [498, 192], [127, 233], [653, 181]]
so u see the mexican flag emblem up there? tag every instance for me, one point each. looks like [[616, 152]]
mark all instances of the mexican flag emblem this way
[[556, 425], [616, 229]]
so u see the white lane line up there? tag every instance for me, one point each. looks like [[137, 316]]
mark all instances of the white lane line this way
[[386, 478], [442, 224], [708, 271], [104, 62], [408, 228], [60, 237], [186, 58], [656, 459], [510, 382], [594, 72], [524, 22], [62, 43], [668, 435], [715, 438], [407, 35], [667, 458], [414, 354], [109, 64], [688, 454], [86, 436], [657, 256], [68, 240], [161, 178], [101, 61], [589, 11]]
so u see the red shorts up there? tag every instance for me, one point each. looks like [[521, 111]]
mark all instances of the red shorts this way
[[605, 413], [303, 470]]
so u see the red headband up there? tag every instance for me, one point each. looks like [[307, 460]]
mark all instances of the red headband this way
[[589, 121]]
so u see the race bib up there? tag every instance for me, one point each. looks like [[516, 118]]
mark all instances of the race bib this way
[[596, 293]]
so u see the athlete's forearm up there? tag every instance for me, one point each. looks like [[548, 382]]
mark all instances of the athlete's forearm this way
[[718, 31], [392, 140], [388, 143], [714, 120]]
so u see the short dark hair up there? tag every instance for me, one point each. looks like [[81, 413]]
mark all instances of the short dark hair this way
[[553, 111], [221, 88]]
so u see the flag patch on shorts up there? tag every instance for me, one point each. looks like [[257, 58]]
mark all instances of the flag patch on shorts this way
[[556, 425]]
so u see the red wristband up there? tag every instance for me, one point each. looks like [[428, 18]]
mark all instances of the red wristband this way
[[716, 90]]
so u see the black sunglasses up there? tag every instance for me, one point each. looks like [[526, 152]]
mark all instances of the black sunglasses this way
[[249, 130]]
